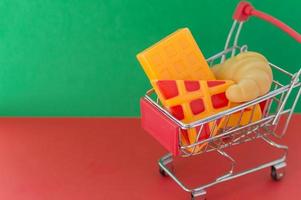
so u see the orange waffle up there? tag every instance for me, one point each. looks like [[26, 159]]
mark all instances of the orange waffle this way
[[190, 101]]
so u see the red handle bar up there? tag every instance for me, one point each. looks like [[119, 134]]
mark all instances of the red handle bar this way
[[244, 10]]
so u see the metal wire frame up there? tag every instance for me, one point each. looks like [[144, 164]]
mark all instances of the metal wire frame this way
[[230, 174], [280, 89], [240, 134], [264, 129], [261, 129]]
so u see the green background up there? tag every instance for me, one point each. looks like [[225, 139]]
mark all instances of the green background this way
[[77, 57]]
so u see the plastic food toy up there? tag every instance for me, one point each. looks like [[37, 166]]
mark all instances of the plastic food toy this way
[[176, 57], [189, 101], [250, 71]]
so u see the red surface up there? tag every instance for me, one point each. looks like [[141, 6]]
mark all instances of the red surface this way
[[43, 159]]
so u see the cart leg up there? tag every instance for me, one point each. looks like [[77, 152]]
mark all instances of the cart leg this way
[[198, 195], [163, 162], [278, 171]]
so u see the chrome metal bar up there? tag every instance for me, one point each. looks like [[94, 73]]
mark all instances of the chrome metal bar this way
[[277, 83], [236, 38], [170, 174], [280, 102], [197, 138], [260, 167], [211, 132], [277, 100], [229, 38], [238, 108], [231, 175], [278, 146], [252, 114], [213, 127], [281, 70], [227, 119], [239, 119], [220, 54], [263, 120], [265, 165], [291, 87], [290, 114], [150, 91], [233, 163], [270, 102]]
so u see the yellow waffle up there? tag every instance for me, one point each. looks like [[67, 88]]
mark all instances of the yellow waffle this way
[[176, 57]]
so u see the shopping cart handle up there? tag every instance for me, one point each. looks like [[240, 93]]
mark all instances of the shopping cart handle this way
[[244, 10]]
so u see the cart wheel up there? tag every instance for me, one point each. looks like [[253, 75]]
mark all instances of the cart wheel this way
[[162, 172], [203, 197], [199, 195], [277, 174]]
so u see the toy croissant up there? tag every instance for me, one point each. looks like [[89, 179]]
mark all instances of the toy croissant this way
[[251, 73]]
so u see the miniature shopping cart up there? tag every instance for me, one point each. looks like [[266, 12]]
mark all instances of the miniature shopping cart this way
[[279, 105]]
